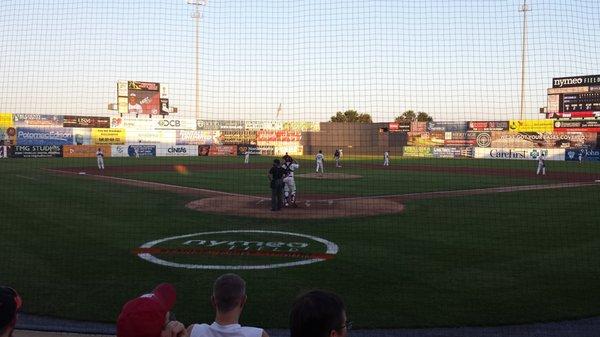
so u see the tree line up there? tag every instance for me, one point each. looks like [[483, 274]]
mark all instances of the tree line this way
[[353, 116]]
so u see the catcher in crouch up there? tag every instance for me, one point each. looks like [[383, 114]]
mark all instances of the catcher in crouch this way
[[289, 185]]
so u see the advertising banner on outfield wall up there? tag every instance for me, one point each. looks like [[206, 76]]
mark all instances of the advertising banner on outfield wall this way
[[173, 123], [418, 127], [37, 120], [229, 137], [447, 126], [133, 150], [292, 150], [132, 123], [399, 127], [586, 154], [488, 126], [44, 136], [543, 139], [36, 151], [264, 125], [223, 150], [151, 136], [577, 126], [213, 124], [85, 151], [108, 136], [302, 126], [426, 138], [417, 151], [252, 149], [269, 136], [451, 152], [6, 120], [177, 150], [519, 154], [542, 125], [86, 122], [198, 137]]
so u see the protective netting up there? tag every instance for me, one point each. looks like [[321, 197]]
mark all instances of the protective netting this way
[[415, 220]]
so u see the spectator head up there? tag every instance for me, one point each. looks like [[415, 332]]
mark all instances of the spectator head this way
[[275, 162], [318, 314], [10, 303], [147, 315], [229, 293], [320, 151]]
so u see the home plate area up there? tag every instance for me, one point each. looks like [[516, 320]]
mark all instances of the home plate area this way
[[317, 208]]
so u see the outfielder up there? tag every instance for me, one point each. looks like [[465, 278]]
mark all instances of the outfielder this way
[[247, 157], [386, 159], [541, 165], [100, 157], [336, 156], [320, 159], [289, 188]]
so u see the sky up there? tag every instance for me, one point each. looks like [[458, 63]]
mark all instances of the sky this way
[[453, 59]]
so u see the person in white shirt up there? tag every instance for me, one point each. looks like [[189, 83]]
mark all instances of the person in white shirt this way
[[100, 157], [228, 299], [247, 157], [134, 106], [386, 158], [320, 159], [541, 165]]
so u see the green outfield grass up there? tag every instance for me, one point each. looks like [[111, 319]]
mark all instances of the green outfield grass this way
[[67, 244]]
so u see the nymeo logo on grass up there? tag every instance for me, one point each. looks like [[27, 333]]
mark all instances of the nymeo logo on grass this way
[[237, 250]]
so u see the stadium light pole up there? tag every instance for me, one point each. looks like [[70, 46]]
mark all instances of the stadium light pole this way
[[524, 8], [197, 14]]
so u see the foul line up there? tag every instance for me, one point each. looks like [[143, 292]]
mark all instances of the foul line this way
[[230, 252]]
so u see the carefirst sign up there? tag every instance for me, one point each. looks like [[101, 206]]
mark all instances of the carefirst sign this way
[[577, 81], [519, 153], [237, 250]]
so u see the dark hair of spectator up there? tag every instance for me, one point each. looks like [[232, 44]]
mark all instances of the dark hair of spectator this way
[[228, 292], [316, 314]]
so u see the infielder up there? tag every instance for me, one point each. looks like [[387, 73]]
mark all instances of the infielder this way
[[336, 156], [320, 159], [386, 159], [289, 188], [247, 157], [100, 157], [541, 165]]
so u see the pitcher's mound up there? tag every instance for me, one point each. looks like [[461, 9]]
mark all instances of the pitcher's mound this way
[[332, 176], [306, 209]]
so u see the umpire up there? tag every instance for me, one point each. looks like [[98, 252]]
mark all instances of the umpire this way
[[276, 178]]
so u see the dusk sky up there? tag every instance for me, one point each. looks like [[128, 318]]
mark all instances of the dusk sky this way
[[456, 60]]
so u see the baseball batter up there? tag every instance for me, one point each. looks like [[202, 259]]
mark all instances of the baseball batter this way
[[289, 188], [541, 165], [100, 158], [386, 159], [320, 159]]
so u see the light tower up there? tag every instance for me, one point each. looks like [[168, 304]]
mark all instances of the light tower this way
[[197, 15], [524, 8]]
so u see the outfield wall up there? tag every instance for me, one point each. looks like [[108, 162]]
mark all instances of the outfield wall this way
[[35, 135]]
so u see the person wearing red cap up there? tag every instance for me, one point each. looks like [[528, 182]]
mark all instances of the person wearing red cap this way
[[10, 303], [148, 315], [228, 299]]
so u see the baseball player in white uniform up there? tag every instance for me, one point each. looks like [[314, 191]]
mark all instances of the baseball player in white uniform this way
[[386, 159], [541, 165], [289, 187], [247, 157], [100, 157], [320, 159]]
